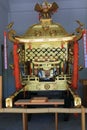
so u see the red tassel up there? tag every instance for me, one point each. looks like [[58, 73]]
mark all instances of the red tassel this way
[[30, 47], [5, 34], [75, 66], [62, 46], [16, 67]]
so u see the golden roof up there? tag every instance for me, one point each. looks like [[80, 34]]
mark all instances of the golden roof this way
[[46, 30]]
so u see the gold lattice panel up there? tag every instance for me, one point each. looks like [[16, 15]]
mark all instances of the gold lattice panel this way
[[45, 54]]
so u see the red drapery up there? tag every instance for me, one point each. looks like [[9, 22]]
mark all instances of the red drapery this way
[[16, 67], [75, 66]]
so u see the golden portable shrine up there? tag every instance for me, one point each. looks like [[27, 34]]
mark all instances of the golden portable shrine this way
[[45, 57]]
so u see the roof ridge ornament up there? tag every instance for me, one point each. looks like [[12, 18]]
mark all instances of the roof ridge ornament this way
[[46, 9]]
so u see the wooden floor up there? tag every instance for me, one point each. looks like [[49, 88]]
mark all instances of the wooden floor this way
[[25, 125], [41, 121]]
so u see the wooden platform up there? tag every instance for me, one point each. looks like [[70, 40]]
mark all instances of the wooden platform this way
[[39, 101]]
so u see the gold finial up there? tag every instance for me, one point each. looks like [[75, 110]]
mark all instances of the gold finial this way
[[80, 24], [9, 26]]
